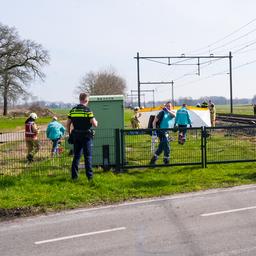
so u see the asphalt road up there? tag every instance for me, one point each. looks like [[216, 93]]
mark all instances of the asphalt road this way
[[212, 223]]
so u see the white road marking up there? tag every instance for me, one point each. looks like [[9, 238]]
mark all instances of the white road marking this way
[[228, 211], [80, 235], [165, 198], [151, 200]]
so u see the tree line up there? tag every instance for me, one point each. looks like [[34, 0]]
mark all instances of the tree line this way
[[217, 100], [21, 61]]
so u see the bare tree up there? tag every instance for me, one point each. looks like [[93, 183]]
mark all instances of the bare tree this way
[[20, 62], [102, 83]]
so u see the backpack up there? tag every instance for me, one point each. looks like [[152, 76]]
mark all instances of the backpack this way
[[151, 119]]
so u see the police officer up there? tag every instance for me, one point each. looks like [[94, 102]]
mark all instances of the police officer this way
[[82, 119]]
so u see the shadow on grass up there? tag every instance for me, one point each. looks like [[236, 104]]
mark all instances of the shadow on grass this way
[[34, 177], [151, 183], [7, 182], [245, 176], [51, 180], [156, 183], [158, 169], [184, 169]]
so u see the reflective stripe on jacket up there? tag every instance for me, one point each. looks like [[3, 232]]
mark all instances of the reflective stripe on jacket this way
[[80, 117], [30, 131], [80, 113]]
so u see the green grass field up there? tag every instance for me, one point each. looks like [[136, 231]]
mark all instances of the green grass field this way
[[237, 109], [31, 194], [8, 124], [52, 189], [63, 112]]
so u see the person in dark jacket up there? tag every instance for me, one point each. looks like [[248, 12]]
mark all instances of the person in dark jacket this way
[[82, 120], [165, 117]]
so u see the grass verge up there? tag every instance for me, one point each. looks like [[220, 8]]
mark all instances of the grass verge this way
[[33, 194], [8, 124]]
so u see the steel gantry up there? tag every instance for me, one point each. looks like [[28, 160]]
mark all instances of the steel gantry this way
[[168, 61], [153, 94]]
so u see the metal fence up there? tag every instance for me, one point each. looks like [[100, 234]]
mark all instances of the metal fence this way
[[230, 144], [124, 149], [13, 153], [203, 146], [138, 148]]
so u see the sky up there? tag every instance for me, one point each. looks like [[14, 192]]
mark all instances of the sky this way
[[95, 35]]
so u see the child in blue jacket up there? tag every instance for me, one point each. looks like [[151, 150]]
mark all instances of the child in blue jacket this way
[[54, 132]]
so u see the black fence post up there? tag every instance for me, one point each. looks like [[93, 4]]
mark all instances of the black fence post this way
[[122, 145], [203, 147], [117, 150]]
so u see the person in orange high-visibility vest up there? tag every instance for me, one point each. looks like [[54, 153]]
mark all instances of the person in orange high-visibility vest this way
[[31, 137]]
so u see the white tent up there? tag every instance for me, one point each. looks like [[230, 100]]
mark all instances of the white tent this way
[[199, 116]]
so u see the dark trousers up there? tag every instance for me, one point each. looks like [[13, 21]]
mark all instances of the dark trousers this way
[[163, 145], [55, 145], [182, 130], [84, 147]]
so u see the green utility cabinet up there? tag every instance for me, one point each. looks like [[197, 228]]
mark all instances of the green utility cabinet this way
[[109, 112]]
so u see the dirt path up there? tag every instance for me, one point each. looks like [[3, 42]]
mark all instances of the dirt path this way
[[17, 135]]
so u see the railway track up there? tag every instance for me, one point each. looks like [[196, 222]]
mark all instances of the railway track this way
[[236, 118]]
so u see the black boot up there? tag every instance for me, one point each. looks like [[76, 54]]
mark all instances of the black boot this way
[[30, 158], [153, 160], [166, 161]]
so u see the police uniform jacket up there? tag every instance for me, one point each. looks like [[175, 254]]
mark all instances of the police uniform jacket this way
[[80, 117]]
